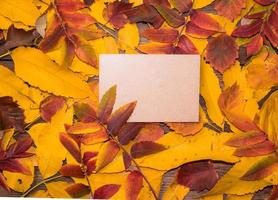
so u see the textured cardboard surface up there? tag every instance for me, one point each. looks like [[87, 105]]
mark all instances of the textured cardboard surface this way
[[166, 87]]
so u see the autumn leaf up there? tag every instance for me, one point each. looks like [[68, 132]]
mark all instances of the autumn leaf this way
[[128, 132], [181, 6], [106, 104], [221, 52], [198, 176], [106, 191], [258, 149], [161, 35], [71, 146], [77, 190], [186, 128], [135, 184], [72, 171], [50, 105], [144, 148], [230, 8]]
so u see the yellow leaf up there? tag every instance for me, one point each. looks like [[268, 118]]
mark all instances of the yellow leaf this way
[[7, 136], [40, 194], [50, 152], [128, 38], [237, 197], [11, 85], [97, 11], [20, 11], [37, 69], [183, 149], [18, 181], [175, 192], [215, 197], [57, 189], [201, 3], [211, 91], [106, 45]]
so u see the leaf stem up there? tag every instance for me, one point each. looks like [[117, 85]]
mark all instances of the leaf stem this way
[[5, 54], [40, 183]]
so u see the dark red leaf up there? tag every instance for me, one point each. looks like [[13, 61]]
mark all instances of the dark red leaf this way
[[271, 34], [129, 132], [91, 166], [72, 171], [120, 117], [144, 148], [20, 146], [115, 13], [88, 155], [265, 2], [50, 105], [257, 15], [274, 193], [106, 191], [13, 165], [127, 160], [171, 16], [204, 21], [71, 146], [246, 139], [78, 190], [198, 176], [161, 35], [134, 185], [185, 46], [192, 28], [248, 30], [221, 52], [144, 13], [10, 114], [259, 149]]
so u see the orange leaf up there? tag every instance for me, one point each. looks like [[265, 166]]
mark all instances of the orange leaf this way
[[86, 53], [186, 128], [230, 8], [161, 35], [150, 132], [221, 52], [71, 146], [204, 21], [156, 48], [84, 128], [72, 171]]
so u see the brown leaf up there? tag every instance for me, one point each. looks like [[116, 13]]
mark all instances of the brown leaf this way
[[161, 35], [10, 114], [246, 139], [72, 171], [182, 5], [106, 104], [50, 105], [134, 185], [17, 37], [71, 145], [144, 148], [115, 13], [230, 8], [221, 52], [128, 132], [186, 129], [116, 121], [171, 16], [145, 13], [106, 191], [261, 169], [198, 176], [259, 149], [77, 190]]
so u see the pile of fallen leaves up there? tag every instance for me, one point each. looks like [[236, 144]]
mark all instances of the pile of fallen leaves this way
[[57, 140]]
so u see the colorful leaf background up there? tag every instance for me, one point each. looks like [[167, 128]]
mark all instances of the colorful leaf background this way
[[58, 141]]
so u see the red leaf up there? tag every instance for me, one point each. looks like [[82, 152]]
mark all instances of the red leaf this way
[[106, 104], [91, 166], [72, 171], [145, 148], [265, 2], [106, 191], [94, 138], [171, 17], [185, 46], [192, 28], [182, 5], [116, 121], [3, 183], [164, 3], [71, 146], [257, 15], [230, 8], [204, 21], [261, 169], [127, 160], [50, 105], [20, 146], [88, 155], [271, 34], [254, 46], [248, 30], [134, 185], [77, 20], [129, 132], [144, 13], [115, 13], [161, 35], [246, 139], [77, 190], [13, 165], [274, 193], [10, 114], [70, 5], [221, 52], [259, 149], [198, 176]]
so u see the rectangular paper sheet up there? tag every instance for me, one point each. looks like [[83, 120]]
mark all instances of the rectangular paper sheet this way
[[166, 87]]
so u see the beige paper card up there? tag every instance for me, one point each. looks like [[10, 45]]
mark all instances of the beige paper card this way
[[166, 87]]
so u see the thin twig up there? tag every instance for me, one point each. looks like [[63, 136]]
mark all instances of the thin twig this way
[[40, 183], [5, 54]]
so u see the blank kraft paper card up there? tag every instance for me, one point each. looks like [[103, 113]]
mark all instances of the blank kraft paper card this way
[[166, 87]]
